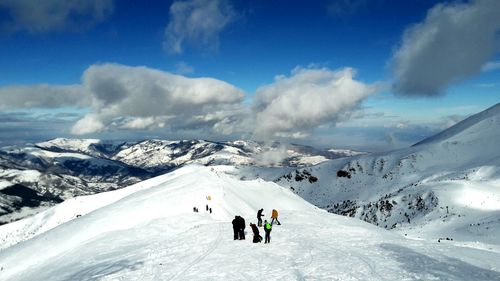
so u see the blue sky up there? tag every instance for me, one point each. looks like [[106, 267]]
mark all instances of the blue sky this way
[[406, 78]]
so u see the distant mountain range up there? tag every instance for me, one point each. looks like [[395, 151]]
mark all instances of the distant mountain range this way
[[444, 184], [34, 177]]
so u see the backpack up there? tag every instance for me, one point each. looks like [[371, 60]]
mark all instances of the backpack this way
[[267, 226]]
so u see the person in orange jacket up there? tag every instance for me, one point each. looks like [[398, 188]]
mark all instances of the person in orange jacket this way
[[274, 216]]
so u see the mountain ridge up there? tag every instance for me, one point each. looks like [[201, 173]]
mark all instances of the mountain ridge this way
[[150, 232], [64, 168], [493, 111], [410, 190]]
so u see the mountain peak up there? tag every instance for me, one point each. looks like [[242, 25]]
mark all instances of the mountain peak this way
[[484, 124]]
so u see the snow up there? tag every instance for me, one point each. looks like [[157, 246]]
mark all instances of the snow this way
[[20, 175], [4, 184], [346, 152], [147, 154], [18, 231], [309, 160], [69, 144], [445, 187], [148, 231], [478, 196], [469, 127], [49, 154]]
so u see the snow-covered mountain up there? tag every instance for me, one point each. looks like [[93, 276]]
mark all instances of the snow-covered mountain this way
[[445, 186], [163, 155], [346, 152], [148, 231], [33, 178], [41, 175]]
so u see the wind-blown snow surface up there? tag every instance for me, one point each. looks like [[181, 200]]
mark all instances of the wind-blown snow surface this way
[[148, 231]]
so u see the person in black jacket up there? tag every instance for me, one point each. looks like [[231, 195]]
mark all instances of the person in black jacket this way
[[236, 227], [256, 235], [239, 228], [259, 217], [242, 226]]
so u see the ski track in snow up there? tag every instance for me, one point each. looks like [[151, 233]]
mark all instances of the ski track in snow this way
[[212, 247]]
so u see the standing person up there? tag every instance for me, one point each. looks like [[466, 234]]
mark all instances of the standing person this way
[[259, 217], [236, 227], [274, 216], [267, 228], [242, 226], [256, 235]]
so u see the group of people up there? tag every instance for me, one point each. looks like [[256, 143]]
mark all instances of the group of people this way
[[239, 227], [196, 210]]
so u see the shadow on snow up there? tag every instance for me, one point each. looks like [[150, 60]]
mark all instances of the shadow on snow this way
[[444, 269], [99, 270]]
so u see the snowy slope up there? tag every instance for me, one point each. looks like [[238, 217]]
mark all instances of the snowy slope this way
[[34, 178], [91, 147], [65, 168], [161, 155], [446, 186], [149, 232], [346, 152], [475, 124]]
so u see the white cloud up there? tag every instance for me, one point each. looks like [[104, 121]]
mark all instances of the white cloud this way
[[272, 157], [143, 97], [451, 44], [198, 23], [229, 119], [42, 96], [145, 122], [53, 15], [119, 99], [91, 123], [490, 66], [293, 106]]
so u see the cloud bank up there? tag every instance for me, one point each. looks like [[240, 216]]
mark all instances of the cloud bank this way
[[197, 23], [53, 15], [117, 99], [293, 106], [140, 97], [453, 42], [42, 96]]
